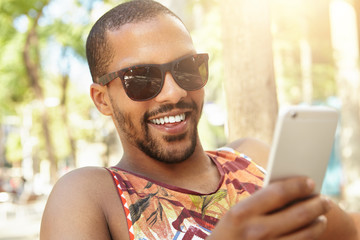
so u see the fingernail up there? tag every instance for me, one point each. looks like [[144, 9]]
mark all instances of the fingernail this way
[[327, 203], [310, 183], [322, 218]]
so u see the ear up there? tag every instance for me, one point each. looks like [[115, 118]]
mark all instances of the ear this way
[[100, 98]]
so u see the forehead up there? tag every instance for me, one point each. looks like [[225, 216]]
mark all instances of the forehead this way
[[159, 40]]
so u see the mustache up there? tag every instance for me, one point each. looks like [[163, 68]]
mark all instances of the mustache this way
[[168, 107]]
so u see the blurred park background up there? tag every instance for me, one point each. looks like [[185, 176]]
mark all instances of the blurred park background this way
[[263, 55]]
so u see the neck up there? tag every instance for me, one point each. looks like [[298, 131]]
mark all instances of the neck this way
[[195, 173]]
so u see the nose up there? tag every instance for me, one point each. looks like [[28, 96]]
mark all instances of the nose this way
[[171, 91]]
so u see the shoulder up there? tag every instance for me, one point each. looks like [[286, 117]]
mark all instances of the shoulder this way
[[82, 174], [81, 184], [77, 209], [257, 150], [88, 178]]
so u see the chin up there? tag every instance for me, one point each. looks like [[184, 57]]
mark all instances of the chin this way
[[175, 156], [173, 149]]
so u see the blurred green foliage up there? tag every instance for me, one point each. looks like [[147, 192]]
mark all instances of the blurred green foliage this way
[[13, 147], [62, 32], [56, 34]]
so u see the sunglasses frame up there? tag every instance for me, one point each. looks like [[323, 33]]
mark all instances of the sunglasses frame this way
[[164, 68]]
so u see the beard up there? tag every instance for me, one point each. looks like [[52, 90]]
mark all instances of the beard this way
[[154, 147]]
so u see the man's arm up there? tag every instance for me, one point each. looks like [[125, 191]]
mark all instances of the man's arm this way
[[257, 150], [340, 224], [76, 208]]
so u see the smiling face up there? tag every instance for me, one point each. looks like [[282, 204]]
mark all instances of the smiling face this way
[[165, 127]]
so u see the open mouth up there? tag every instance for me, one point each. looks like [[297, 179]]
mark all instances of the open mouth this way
[[169, 119]]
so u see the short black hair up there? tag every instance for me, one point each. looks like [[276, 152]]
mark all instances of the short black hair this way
[[98, 51]]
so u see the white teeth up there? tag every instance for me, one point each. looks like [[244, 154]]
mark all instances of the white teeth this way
[[169, 119]]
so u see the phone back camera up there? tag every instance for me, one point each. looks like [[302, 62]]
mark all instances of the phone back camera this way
[[293, 114]]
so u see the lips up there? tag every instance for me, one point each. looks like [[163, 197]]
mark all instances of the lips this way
[[169, 119]]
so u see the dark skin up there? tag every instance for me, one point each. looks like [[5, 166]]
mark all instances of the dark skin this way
[[340, 225], [84, 203]]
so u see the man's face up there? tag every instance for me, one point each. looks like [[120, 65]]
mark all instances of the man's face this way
[[165, 127]]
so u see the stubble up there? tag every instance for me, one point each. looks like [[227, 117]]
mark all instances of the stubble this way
[[153, 147]]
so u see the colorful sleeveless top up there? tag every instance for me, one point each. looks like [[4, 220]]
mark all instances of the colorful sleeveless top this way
[[156, 210]]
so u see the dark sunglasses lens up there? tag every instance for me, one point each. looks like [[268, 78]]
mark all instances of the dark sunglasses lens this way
[[142, 83], [192, 73]]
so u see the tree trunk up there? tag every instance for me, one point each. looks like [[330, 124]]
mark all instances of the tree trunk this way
[[248, 69], [306, 73], [31, 57], [346, 54], [356, 4], [64, 114]]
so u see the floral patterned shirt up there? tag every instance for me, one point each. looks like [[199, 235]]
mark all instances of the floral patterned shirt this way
[[159, 211]]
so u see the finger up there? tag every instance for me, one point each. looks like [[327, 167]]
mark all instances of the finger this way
[[312, 231], [286, 221], [275, 196], [298, 215], [288, 191]]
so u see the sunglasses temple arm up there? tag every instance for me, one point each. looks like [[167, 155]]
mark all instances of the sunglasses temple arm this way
[[107, 78]]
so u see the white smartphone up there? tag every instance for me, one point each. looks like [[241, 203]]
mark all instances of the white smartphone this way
[[302, 143]]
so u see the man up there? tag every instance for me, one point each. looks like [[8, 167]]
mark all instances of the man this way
[[149, 78]]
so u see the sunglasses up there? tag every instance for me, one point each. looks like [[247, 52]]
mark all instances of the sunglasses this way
[[144, 82]]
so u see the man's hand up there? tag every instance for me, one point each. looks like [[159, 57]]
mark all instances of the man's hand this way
[[284, 210]]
